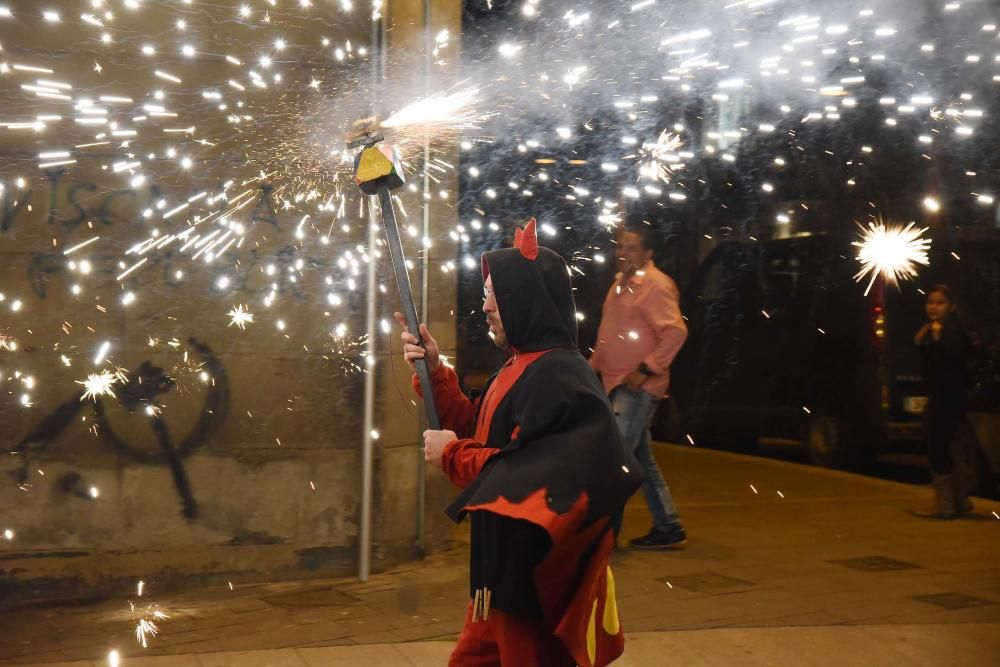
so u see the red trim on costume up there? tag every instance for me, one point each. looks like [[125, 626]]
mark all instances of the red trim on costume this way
[[505, 379], [535, 509]]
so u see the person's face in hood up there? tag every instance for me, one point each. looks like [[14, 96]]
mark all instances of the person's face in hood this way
[[497, 334]]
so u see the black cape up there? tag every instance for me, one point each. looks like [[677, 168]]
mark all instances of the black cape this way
[[561, 471]]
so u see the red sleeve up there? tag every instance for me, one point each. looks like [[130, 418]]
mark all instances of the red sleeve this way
[[456, 412], [462, 460]]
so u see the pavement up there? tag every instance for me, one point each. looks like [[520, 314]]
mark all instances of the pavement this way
[[786, 565]]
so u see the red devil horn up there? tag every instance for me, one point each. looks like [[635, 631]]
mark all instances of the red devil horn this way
[[528, 241], [517, 237]]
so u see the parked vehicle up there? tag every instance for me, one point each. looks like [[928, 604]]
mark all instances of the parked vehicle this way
[[783, 343]]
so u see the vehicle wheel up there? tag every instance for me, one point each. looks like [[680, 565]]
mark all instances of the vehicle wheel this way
[[826, 442]]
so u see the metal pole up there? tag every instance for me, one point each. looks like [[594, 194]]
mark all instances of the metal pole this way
[[367, 442], [368, 451], [424, 282], [406, 299]]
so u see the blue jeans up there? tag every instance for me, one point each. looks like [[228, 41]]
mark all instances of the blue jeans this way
[[634, 411]]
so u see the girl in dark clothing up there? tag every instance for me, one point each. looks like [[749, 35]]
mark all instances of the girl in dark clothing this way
[[945, 350]]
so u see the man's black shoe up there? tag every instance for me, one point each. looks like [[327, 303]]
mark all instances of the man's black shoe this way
[[657, 539]]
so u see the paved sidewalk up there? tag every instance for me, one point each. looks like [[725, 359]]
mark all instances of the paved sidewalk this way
[[821, 646], [804, 567]]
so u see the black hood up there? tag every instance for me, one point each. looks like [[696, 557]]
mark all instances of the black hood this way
[[534, 297]]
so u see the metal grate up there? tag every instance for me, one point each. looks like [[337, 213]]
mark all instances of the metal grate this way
[[708, 582], [875, 564], [952, 600]]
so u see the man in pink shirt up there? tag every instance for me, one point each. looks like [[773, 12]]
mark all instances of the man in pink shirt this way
[[641, 332]]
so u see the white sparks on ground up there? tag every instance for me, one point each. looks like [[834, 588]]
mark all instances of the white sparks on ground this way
[[146, 618]]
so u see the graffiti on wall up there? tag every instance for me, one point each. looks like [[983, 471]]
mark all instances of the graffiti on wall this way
[[86, 203], [143, 390]]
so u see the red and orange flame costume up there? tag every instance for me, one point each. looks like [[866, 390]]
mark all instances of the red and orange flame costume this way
[[542, 469]]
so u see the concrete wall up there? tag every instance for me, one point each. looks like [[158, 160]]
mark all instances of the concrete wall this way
[[249, 465]]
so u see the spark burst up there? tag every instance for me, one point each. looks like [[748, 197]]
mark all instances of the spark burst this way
[[454, 111], [659, 158], [346, 351], [100, 384], [240, 317], [146, 618], [891, 251]]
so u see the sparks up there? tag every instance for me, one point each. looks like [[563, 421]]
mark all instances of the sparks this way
[[146, 627], [660, 158], [240, 317], [99, 384], [451, 109], [891, 251], [146, 618]]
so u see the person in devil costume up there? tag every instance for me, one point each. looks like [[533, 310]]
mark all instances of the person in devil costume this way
[[540, 462]]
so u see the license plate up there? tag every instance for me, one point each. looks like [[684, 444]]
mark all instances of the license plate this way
[[914, 405]]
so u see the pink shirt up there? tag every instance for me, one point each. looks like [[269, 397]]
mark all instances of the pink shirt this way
[[640, 322]]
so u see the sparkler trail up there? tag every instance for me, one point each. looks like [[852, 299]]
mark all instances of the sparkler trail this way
[[455, 111]]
